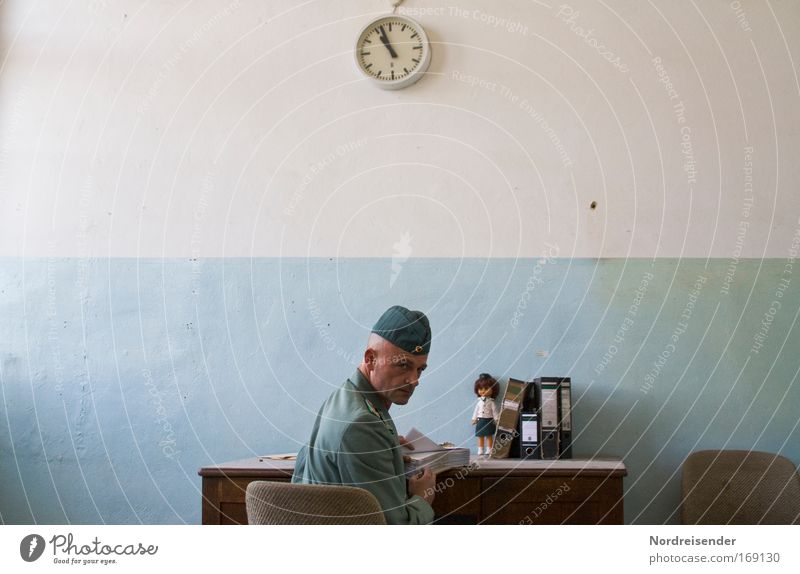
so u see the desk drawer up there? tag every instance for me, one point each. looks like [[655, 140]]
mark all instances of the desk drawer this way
[[458, 500], [552, 500]]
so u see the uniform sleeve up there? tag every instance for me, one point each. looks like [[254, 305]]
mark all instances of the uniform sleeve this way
[[477, 410], [298, 476], [367, 459]]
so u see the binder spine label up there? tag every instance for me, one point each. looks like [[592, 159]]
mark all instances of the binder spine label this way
[[549, 407], [566, 406], [530, 430]]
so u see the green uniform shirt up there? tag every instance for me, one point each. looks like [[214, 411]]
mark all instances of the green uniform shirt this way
[[354, 442]]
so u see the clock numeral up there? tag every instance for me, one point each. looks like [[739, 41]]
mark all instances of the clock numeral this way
[[390, 26], [368, 66], [365, 53], [405, 70], [368, 41], [415, 60], [393, 74], [403, 28], [418, 47], [414, 35]]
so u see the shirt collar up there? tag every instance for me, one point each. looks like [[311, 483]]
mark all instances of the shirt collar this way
[[364, 387]]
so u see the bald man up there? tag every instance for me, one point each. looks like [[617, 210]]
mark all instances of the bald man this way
[[354, 441]]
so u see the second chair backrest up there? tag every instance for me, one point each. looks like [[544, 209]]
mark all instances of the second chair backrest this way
[[739, 487], [286, 503]]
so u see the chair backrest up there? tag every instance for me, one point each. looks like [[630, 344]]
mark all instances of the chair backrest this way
[[286, 503], [739, 487]]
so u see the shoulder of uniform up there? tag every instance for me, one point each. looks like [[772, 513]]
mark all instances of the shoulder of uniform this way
[[365, 417], [367, 433], [369, 417]]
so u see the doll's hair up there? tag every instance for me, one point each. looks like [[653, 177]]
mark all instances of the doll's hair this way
[[486, 381]]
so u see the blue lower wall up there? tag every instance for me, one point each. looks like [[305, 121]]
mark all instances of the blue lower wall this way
[[121, 377]]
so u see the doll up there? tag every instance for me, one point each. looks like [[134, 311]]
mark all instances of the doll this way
[[485, 413]]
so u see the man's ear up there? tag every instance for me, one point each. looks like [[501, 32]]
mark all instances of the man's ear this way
[[369, 358]]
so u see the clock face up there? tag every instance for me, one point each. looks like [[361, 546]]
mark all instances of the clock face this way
[[393, 51]]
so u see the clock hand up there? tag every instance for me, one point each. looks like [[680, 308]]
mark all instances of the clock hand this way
[[386, 43]]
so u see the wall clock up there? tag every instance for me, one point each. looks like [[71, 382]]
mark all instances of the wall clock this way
[[393, 51]]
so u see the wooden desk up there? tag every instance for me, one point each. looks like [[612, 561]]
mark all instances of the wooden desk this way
[[579, 491]]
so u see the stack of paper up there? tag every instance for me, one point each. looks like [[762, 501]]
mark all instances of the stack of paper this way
[[428, 454]]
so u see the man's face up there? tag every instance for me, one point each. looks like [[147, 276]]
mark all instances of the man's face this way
[[395, 374]]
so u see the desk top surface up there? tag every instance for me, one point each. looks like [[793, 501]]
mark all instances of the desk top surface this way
[[478, 466]]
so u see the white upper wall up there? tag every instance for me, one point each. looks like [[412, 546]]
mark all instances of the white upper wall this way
[[243, 129]]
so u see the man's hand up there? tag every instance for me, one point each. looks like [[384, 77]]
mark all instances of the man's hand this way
[[405, 443], [422, 485], [408, 445]]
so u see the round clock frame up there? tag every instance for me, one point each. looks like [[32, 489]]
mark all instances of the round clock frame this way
[[401, 37]]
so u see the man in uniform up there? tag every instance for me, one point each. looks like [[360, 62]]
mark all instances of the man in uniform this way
[[354, 440]]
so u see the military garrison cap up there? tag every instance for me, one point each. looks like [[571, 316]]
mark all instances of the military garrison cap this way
[[409, 330]]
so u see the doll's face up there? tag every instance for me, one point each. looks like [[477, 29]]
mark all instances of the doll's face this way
[[485, 391]]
